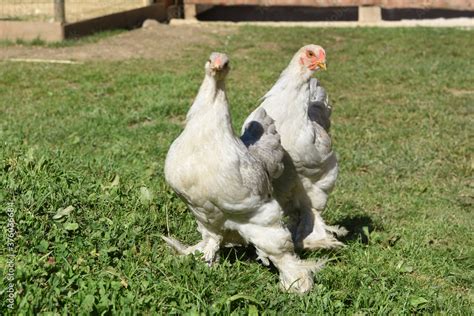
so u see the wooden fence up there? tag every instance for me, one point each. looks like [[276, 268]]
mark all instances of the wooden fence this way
[[369, 10]]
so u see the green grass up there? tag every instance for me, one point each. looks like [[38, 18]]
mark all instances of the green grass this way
[[92, 135]]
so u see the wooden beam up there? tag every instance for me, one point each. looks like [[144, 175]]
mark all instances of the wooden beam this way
[[190, 11], [125, 20], [311, 3], [370, 14], [59, 11], [420, 4], [31, 30], [57, 31]]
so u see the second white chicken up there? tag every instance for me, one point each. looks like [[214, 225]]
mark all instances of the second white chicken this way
[[301, 110]]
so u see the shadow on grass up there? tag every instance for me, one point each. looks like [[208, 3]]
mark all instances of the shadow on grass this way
[[359, 226], [247, 254], [239, 253]]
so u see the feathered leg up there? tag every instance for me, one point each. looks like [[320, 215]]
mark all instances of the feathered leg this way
[[213, 243], [274, 242], [208, 246], [181, 248], [322, 236], [296, 275], [337, 230], [312, 232]]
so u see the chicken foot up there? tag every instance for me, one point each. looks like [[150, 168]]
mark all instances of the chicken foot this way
[[274, 243], [313, 233], [208, 247]]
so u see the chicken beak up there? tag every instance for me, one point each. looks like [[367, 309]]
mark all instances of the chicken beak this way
[[318, 64], [217, 65]]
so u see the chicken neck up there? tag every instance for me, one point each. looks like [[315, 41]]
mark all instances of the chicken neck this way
[[210, 108], [288, 98]]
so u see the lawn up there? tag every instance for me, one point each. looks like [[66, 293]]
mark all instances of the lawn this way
[[94, 136]]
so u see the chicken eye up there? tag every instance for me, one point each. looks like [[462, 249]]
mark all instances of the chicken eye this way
[[310, 54]]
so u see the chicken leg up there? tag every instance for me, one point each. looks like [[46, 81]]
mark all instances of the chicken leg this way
[[208, 246], [274, 243]]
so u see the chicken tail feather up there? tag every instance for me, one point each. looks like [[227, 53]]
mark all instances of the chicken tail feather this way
[[176, 245]]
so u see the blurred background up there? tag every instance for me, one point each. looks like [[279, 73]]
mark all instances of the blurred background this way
[[240, 10], [56, 20]]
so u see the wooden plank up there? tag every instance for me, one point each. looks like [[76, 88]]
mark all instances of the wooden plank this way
[[57, 31], [467, 5], [190, 11], [124, 20], [30, 30], [45, 61], [59, 11], [315, 3], [415, 4], [370, 14]]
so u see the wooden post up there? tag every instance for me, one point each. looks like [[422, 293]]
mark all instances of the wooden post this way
[[148, 2], [59, 11], [190, 11], [370, 14]]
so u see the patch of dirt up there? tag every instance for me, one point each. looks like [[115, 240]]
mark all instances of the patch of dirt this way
[[178, 120], [147, 121], [158, 42]]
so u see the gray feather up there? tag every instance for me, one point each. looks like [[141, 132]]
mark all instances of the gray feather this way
[[319, 108], [263, 142]]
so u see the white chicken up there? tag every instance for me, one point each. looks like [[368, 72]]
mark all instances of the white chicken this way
[[301, 110], [226, 182]]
